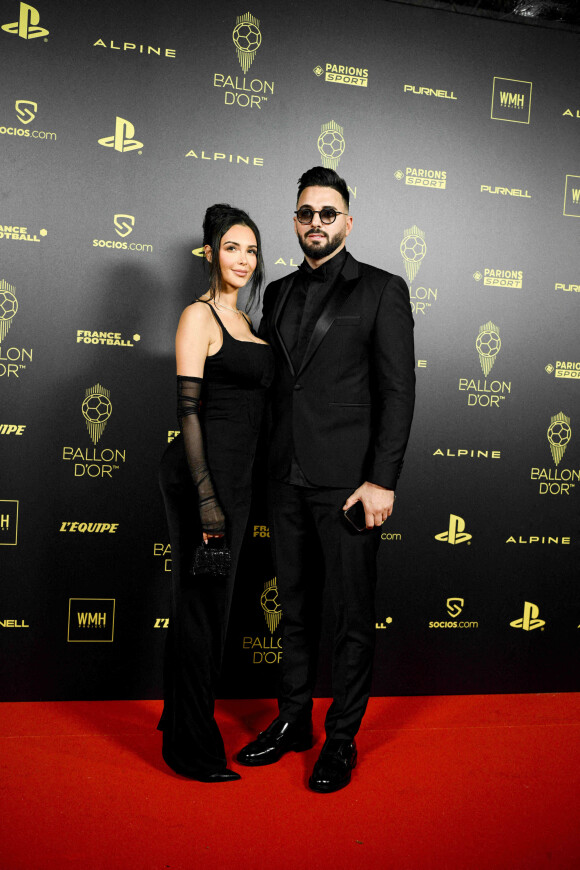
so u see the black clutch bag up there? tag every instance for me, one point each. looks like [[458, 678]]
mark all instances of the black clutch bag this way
[[212, 559]]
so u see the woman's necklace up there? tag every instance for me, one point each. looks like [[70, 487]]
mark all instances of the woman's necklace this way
[[229, 308]]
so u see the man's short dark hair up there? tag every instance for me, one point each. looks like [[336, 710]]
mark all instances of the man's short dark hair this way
[[319, 176]]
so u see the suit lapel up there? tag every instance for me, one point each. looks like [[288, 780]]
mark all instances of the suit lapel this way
[[344, 286], [278, 309]]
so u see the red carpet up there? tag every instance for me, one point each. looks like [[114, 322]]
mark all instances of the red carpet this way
[[472, 782]]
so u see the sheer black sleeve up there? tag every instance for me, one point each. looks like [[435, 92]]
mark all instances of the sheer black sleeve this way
[[188, 395]]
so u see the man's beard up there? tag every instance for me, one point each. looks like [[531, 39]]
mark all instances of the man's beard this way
[[317, 251]]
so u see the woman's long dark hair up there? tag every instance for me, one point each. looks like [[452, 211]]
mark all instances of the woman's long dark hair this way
[[219, 218]]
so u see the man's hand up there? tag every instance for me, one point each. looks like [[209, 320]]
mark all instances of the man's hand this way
[[377, 502]]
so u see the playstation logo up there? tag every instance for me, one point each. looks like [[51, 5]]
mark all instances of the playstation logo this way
[[123, 139], [27, 24], [455, 606], [456, 533], [529, 620]]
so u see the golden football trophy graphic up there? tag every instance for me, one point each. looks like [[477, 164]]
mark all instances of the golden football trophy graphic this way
[[413, 249], [559, 434], [97, 409], [247, 39], [488, 344], [331, 144], [271, 605], [8, 307]]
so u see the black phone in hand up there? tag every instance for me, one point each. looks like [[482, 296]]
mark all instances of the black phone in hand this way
[[355, 515]]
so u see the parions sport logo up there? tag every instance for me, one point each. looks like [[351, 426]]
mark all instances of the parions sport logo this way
[[557, 480], [484, 393], [343, 74], [416, 176], [95, 462], [13, 360], [26, 112], [413, 249], [509, 278], [246, 91], [564, 369]]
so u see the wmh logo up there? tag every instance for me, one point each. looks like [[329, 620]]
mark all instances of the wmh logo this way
[[511, 100], [572, 196], [91, 620]]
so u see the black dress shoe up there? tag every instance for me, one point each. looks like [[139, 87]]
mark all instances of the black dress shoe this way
[[278, 738], [225, 775], [334, 766]]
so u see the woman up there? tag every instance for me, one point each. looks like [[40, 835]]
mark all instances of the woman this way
[[223, 370]]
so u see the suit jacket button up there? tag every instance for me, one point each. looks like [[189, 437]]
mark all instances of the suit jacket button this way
[[297, 386]]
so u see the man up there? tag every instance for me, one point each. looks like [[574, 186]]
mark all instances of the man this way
[[342, 406]]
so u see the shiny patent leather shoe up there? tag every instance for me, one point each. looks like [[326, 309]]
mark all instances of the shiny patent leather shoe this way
[[333, 769], [225, 775], [278, 738]]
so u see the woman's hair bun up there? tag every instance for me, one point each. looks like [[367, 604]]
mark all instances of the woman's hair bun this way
[[215, 217]]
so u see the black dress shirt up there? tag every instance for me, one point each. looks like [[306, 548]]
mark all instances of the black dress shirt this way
[[304, 306]]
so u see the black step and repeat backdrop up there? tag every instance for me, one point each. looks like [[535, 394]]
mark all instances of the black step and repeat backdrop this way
[[458, 137]]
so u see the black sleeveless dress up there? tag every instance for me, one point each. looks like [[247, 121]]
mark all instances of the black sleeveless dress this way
[[233, 397]]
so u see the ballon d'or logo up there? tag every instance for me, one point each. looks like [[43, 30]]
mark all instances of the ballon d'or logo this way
[[413, 250], [97, 409], [271, 605], [247, 39], [488, 344], [559, 434], [331, 144], [8, 307]]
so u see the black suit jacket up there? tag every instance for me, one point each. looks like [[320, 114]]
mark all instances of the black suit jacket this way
[[347, 411]]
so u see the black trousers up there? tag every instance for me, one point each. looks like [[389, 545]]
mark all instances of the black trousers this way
[[317, 553], [200, 607]]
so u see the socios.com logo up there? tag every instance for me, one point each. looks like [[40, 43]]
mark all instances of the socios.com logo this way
[[123, 139], [26, 110], [27, 24], [124, 224], [455, 606]]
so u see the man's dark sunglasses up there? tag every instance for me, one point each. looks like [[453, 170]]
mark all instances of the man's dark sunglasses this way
[[328, 215]]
